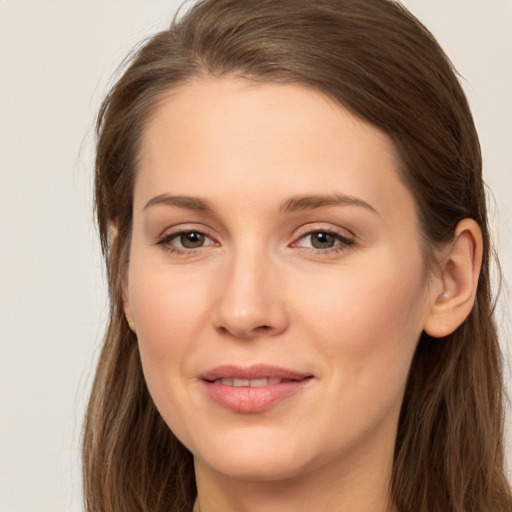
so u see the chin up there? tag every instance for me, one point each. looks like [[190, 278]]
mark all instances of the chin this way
[[255, 468], [263, 457]]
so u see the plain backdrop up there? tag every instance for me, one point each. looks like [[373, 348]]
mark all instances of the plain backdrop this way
[[56, 61]]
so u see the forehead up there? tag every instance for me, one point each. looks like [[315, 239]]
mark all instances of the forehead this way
[[214, 136]]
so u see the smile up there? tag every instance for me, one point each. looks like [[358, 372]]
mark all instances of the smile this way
[[253, 389], [252, 383]]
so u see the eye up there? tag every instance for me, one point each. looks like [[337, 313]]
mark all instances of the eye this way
[[323, 240], [185, 241], [190, 239]]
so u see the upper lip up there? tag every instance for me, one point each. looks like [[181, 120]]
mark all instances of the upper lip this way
[[257, 371]]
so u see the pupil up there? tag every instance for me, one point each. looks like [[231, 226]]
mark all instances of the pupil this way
[[192, 240], [322, 240]]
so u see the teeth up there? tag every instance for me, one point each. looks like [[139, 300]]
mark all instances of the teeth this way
[[258, 382], [253, 383]]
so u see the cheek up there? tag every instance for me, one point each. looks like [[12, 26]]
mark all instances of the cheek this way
[[368, 322], [367, 330], [169, 315], [169, 312], [366, 300], [165, 306]]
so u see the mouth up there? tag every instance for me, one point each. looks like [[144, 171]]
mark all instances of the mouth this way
[[253, 383], [253, 389], [252, 376]]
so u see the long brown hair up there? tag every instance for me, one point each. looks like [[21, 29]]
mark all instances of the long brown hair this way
[[377, 60]]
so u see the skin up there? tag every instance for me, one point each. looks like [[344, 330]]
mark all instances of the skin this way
[[257, 291]]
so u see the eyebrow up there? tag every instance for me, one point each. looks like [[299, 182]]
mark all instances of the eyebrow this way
[[186, 202], [310, 202], [296, 203]]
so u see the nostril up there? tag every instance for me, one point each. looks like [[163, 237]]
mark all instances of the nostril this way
[[245, 333]]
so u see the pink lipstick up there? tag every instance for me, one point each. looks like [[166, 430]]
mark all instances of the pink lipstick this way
[[252, 389]]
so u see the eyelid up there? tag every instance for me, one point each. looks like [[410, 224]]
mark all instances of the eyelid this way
[[171, 236], [184, 228], [344, 241], [345, 238], [328, 228], [163, 240]]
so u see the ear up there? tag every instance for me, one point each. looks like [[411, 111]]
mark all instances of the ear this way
[[460, 264], [113, 233], [126, 306]]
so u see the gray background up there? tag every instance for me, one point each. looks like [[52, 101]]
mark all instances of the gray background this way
[[56, 60]]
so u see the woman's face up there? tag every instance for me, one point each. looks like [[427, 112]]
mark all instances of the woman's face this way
[[276, 282]]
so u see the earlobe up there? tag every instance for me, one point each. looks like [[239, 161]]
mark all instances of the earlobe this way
[[459, 271], [126, 308]]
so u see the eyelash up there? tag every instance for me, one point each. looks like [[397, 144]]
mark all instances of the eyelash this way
[[342, 242], [165, 242]]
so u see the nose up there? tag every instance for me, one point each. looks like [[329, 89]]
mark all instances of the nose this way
[[249, 303]]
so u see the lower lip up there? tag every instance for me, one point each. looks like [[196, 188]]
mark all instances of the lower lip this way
[[253, 399]]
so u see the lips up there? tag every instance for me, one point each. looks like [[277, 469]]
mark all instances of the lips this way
[[253, 389], [252, 383]]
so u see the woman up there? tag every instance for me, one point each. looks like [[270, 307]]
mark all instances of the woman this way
[[290, 202]]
